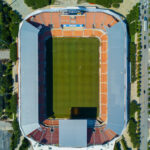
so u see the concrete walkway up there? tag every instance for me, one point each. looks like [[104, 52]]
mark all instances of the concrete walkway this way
[[66, 2], [5, 126], [5, 138], [4, 54], [20, 7]]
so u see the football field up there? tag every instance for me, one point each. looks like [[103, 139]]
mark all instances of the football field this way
[[72, 75]]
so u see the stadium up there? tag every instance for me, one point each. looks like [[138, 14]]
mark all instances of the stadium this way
[[72, 78]]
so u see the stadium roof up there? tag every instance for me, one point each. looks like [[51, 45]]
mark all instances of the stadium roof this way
[[29, 78], [117, 59], [73, 133]]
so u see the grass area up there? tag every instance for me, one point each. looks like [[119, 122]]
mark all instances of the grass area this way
[[72, 75]]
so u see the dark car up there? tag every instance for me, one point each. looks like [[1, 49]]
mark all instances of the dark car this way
[[142, 6], [144, 11], [144, 46], [144, 37], [144, 91]]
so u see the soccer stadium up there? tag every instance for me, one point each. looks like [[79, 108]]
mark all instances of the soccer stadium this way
[[72, 78]]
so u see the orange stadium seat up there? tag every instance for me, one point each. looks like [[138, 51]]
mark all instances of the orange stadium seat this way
[[77, 33], [80, 19], [38, 19], [67, 33], [108, 20], [114, 21], [103, 88], [90, 19], [103, 68], [104, 38], [103, 118], [88, 33], [56, 32], [104, 78], [109, 134], [104, 47], [46, 17], [97, 33], [112, 132], [103, 109], [56, 19], [103, 99], [104, 57], [99, 20], [65, 19]]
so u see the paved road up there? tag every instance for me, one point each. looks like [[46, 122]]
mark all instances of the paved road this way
[[144, 79], [5, 140]]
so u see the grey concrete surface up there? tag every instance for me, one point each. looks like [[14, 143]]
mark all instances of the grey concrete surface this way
[[66, 2], [144, 80], [5, 125], [20, 7], [5, 140], [4, 54]]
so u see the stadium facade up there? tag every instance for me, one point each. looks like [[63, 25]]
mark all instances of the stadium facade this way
[[111, 30]]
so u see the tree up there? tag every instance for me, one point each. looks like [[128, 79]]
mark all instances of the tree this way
[[38, 3], [133, 108], [105, 3], [116, 5], [16, 134], [14, 28], [13, 52], [13, 102], [25, 144], [132, 132]]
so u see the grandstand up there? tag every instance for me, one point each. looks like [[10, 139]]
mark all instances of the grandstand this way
[[73, 22]]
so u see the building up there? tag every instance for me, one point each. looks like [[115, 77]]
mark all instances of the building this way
[[111, 30]]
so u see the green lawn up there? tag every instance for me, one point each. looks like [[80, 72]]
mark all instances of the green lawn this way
[[72, 74]]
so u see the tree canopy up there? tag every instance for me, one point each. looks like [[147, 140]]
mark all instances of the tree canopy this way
[[38, 3], [13, 52], [105, 3]]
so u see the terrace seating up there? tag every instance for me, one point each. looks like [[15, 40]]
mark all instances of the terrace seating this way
[[99, 135], [55, 19], [51, 122], [98, 21], [65, 19], [90, 20]]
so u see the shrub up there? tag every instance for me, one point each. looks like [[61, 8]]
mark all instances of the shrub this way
[[25, 144], [13, 52], [116, 5], [38, 3]]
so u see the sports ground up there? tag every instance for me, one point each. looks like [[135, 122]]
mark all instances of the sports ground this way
[[72, 75]]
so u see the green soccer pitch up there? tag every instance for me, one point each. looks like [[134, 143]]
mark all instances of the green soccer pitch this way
[[72, 75]]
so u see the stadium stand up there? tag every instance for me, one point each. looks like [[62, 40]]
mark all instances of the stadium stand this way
[[99, 23]]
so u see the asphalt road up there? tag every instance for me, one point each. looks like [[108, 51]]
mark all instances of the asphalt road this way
[[144, 79], [5, 140]]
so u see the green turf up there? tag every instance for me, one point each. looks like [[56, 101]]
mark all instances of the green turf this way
[[74, 65]]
